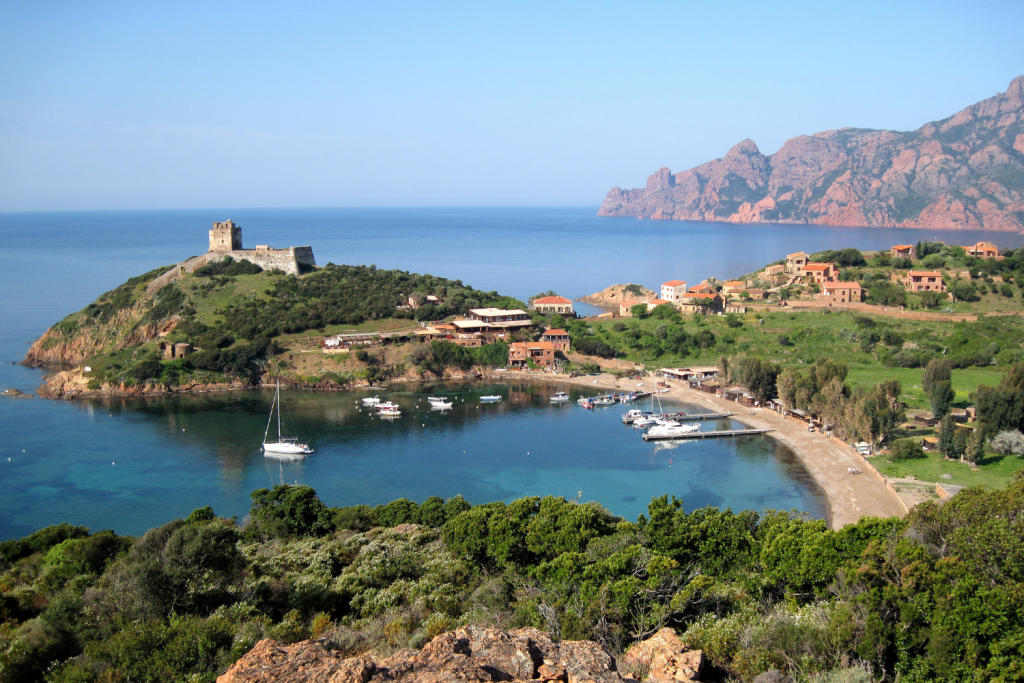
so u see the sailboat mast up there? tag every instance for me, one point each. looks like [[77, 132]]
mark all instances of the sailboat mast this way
[[279, 411], [269, 419]]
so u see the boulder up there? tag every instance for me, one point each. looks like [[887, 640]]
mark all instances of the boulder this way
[[664, 658]]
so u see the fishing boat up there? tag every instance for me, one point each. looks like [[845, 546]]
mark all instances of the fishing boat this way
[[387, 405], [284, 446], [666, 431], [440, 405], [490, 399], [390, 411], [371, 401], [560, 397], [604, 401], [634, 414]]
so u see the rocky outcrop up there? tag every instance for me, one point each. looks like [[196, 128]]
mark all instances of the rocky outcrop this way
[[964, 172], [471, 655], [616, 294]]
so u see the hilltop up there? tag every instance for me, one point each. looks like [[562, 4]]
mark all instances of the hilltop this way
[[963, 172]]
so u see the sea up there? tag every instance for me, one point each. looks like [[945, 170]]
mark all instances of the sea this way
[[132, 464]]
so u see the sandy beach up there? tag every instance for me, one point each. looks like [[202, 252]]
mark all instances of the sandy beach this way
[[850, 496]]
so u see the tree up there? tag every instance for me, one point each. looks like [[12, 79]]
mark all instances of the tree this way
[[1010, 442], [931, 299], [758, 376], [906, 449], [975, 447], [937, 386], [1001, 408], [557, 321], [295, 507]]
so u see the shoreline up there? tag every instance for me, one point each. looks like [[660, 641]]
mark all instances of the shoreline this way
[[848, 497]]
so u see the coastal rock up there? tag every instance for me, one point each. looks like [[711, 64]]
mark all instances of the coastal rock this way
[[616, 294], [665, 658], [469, 654], [954, 174]]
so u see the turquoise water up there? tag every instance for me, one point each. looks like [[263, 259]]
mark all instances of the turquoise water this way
[[129, 465]]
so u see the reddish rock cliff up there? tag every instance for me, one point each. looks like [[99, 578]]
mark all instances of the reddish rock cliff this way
[[965, 172], [472, 655]]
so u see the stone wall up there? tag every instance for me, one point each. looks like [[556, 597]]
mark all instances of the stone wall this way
[[287, 260]]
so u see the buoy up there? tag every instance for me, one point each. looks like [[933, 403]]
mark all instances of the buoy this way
[[113, 463]]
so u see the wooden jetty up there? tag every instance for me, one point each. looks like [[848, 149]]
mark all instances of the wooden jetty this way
[[708, 435], [685, 417]]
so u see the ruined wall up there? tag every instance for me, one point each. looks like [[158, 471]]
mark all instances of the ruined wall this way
[[287, 260], [225, 237]]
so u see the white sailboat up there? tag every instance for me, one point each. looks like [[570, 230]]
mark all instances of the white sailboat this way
[[284, 446]]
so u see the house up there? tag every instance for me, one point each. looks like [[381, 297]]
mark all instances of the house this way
[[654, 303], [757, 294], [841, 293], [930, 443], [701, 289], [417, 300], [553, 304], [923, 281], [468, 340], [700, 303], [735, 308], [344, 342], [927, 419], [776, 272], [690, 374], [437, 331], [560, 338], [494, 319], [983, 250], [625, 306], [796, 262], [904, 251], [521, 353], [733, 287], [819, 272], [708, 386], [672, 290]]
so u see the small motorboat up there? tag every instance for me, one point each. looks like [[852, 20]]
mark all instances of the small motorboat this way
[[371, 401], [668, 432], [387, 405], [645, 420], [440, 405], [490, 399], [664, 422], [560, 397], [632, 415], [390, 411]]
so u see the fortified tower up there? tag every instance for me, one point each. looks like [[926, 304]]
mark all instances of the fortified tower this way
[[226, 237]]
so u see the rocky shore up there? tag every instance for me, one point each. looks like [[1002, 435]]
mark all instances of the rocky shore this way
[[611, 297], [473, 655]]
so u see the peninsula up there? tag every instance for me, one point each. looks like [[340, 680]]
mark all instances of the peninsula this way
[[965, 172]]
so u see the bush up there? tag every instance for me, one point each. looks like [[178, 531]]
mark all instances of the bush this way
[[906, 449], [296, 507], [589, 346], [228, 267]]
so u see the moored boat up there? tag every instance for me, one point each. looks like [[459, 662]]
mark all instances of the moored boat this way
[[288, 447]]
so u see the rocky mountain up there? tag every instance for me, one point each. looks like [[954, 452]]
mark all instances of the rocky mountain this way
[[616, 294], [964, 172]]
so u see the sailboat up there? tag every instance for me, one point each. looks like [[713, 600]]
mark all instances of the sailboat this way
[[284, 445]]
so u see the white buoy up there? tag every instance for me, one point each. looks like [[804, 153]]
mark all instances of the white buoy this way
[[113, 463]]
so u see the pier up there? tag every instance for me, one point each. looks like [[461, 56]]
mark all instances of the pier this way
[[708, 435], [684, 417]]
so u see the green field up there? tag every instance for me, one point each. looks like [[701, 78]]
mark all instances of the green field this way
[[993, 470]]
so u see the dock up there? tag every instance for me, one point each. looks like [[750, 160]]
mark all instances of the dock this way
[[685, 417], [708, 435]]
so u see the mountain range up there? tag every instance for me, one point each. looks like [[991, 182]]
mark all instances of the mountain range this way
[[963, 172]]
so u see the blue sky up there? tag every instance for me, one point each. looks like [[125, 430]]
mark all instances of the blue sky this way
[[223, 104]]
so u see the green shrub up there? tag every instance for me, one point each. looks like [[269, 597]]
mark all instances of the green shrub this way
[[906, 449]]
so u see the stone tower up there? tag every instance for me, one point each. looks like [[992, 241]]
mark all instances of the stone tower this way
[[226, 236]]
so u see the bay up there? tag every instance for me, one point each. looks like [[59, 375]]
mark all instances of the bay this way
[[61, 452]]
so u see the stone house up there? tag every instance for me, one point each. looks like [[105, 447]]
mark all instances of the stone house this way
[[541, 353], [818, 272], [923, 281], [701, 303], [796, 262], [776, 272], [840, 293], [733, 286], [170, 350], [654, 303], [904, 251], [983, 250]]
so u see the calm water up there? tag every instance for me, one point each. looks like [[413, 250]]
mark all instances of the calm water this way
[[173, 455]]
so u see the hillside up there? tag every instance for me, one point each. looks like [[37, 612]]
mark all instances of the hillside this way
[[963, 172], [368, 593], [236, 316]]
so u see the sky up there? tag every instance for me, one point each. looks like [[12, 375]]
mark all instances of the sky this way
[[108, 105]]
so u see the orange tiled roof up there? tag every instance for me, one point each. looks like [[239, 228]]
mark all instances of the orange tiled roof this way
[[672, 283], [901, 247], [552, 300], [924, 273], [799, 253], [817, 266], [554, 332], [842, 285], [658, 302]]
